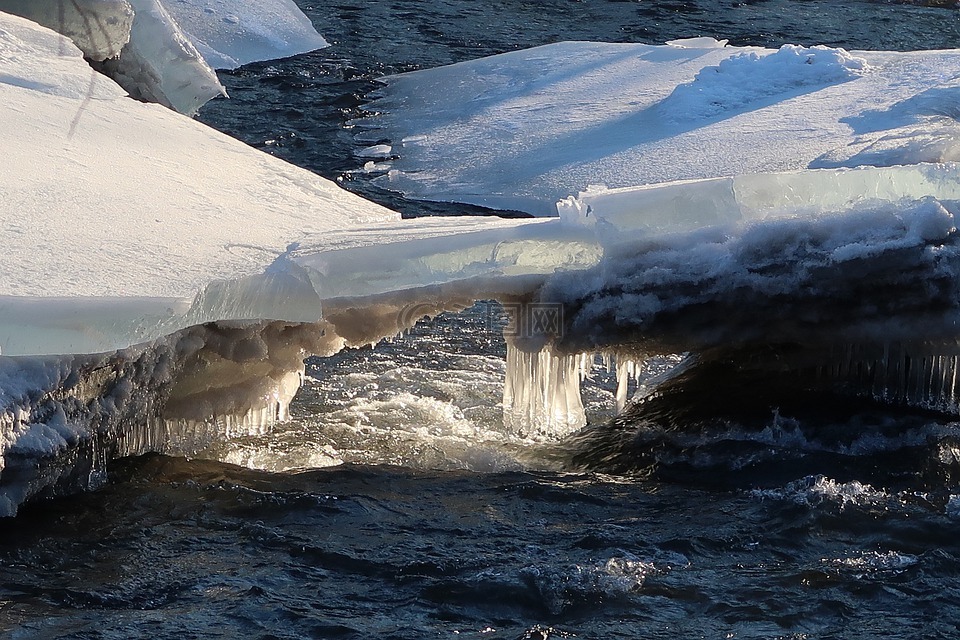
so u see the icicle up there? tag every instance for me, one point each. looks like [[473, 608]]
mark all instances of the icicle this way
[[541, 393], [586, 366], [915, 375], [622, 385]]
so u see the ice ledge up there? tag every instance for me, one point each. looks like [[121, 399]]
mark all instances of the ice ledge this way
[[629, 213]]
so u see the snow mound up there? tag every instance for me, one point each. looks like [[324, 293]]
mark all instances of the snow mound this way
[[750, 77]]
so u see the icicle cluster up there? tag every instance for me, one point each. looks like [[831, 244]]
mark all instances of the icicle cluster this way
[[626, 370], [913, 375], [541, 393]]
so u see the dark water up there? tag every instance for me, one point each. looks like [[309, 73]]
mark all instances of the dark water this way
[[810, 519]]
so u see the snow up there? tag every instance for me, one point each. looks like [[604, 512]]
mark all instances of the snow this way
[[230, 34], [117, 213], [747, 78], [525, 129]]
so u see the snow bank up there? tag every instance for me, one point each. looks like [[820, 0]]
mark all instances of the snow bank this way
[[525, 129]]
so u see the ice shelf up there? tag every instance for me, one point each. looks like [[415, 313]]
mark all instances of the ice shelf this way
[[525, 129]]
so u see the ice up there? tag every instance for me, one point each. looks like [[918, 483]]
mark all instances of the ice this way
[[117, 215], [230, 33], [197, 272], [650, 210], [174, 395], [525, 129], [160, 64], [165, 51], [100, 28], [803, 275], [541, 394]]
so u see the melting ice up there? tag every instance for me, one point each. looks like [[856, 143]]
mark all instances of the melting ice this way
[[198, 319]]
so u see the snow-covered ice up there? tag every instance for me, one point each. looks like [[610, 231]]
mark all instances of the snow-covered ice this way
[[230, 33], [111, 203], [126, 222], [525, 129]]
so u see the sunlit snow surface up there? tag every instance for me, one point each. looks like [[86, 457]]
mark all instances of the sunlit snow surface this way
[[525, 129]]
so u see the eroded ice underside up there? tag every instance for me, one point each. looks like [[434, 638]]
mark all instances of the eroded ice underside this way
[[525, 129]]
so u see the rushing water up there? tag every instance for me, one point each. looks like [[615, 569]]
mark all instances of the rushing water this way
[[394, 505]]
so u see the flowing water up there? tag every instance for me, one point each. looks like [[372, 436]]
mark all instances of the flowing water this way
[[395, 505]]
